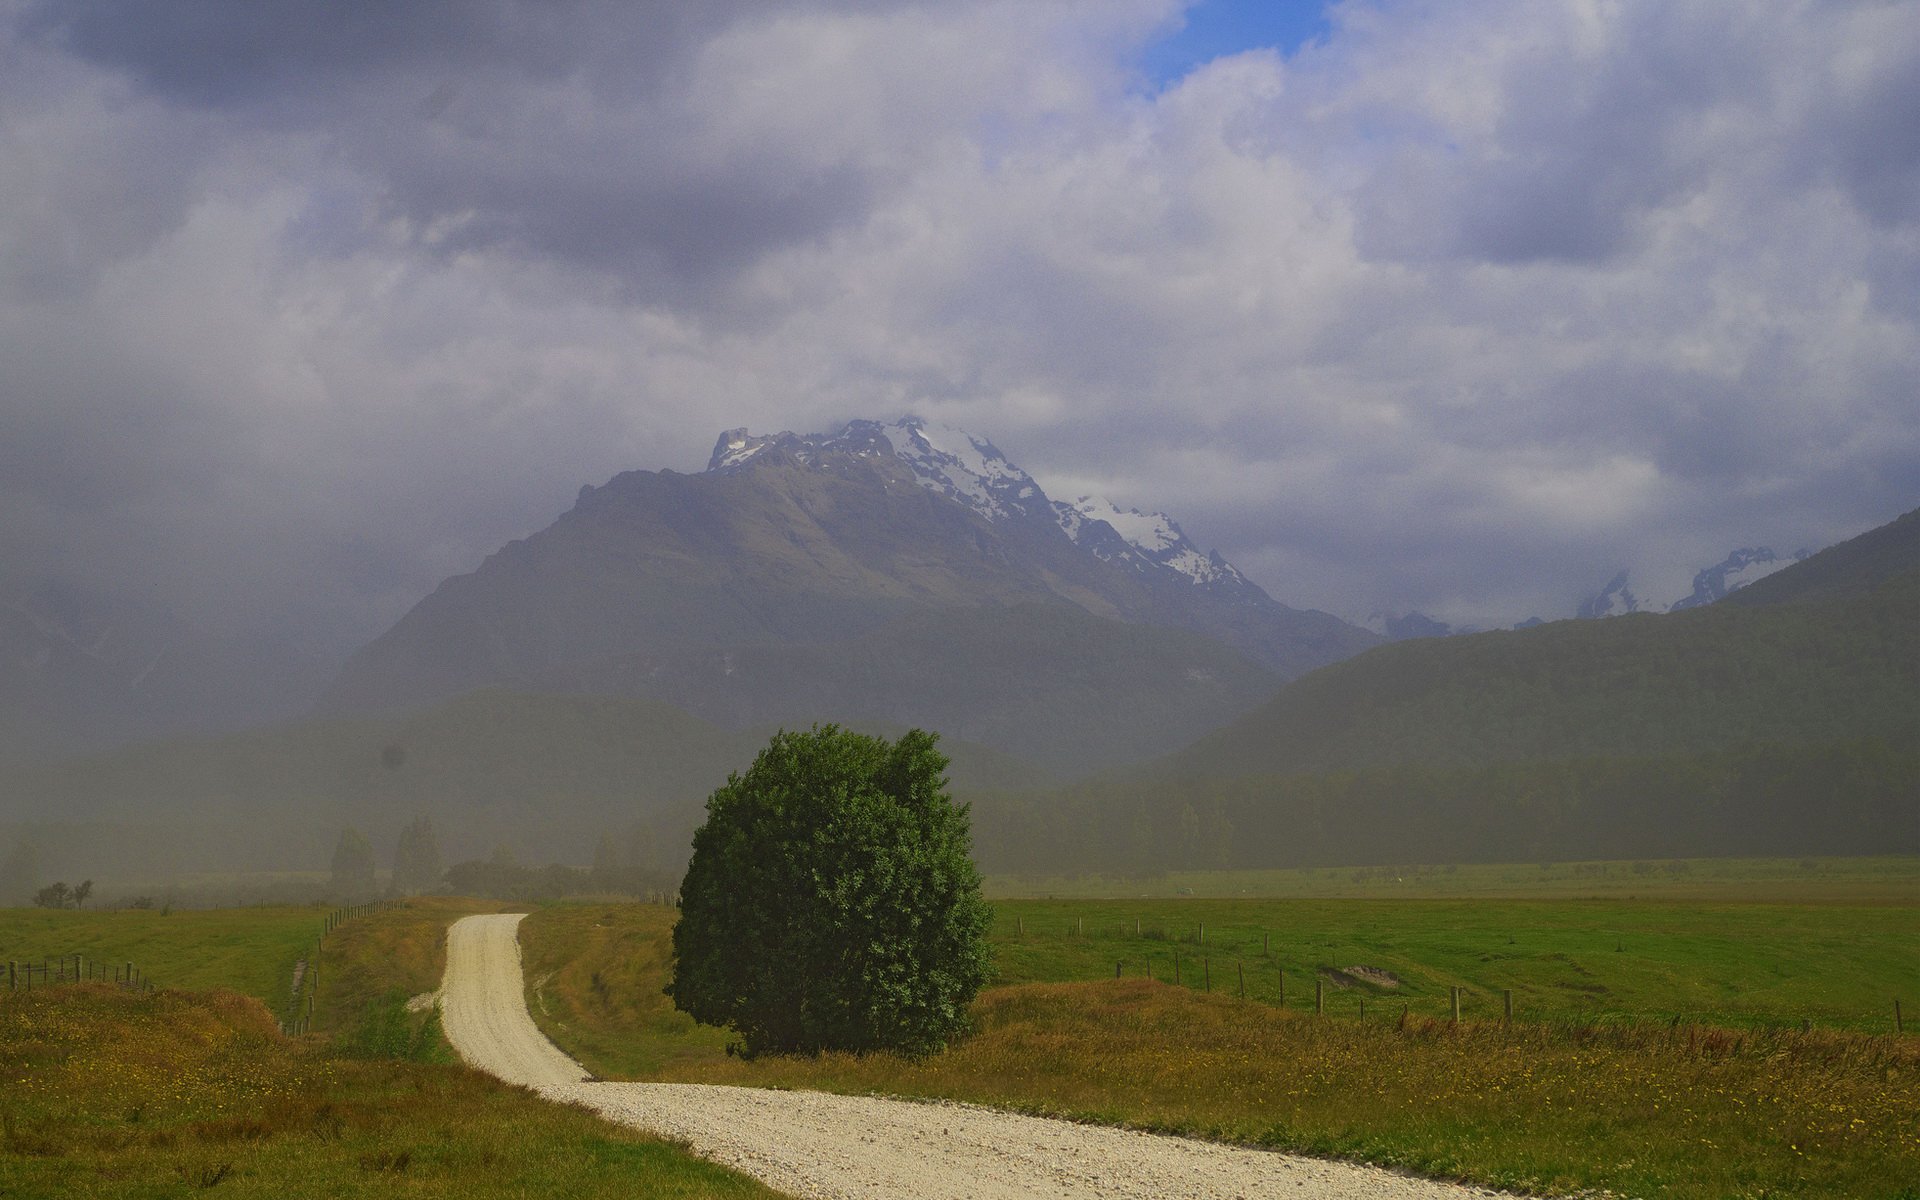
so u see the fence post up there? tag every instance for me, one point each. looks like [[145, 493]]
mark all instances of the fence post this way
[[1506, 1003], [1176, 967], [9, 974], [1319, 995], [1241, 967], [1206, 971], [1899, 1026], [129, 974], [1265, 948], [1283, 987], [1456, 1005]]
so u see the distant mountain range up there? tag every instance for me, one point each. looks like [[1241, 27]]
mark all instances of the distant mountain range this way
[[900, 572], [1738, 569]]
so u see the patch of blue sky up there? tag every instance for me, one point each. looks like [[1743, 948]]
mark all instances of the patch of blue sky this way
[[1216, 28]]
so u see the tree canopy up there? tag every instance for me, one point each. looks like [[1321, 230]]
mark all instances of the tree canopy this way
[[832, 902]]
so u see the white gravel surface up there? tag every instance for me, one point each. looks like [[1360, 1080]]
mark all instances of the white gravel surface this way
[[814, 1144]]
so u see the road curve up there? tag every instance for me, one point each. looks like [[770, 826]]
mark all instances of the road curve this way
[[819, 1145]]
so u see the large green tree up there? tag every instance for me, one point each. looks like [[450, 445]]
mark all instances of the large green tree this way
[[832, 902]]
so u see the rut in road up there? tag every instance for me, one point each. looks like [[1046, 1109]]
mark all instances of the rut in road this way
[[815, 1144]]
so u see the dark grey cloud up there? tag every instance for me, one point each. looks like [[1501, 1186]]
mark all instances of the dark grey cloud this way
[[578, 131]]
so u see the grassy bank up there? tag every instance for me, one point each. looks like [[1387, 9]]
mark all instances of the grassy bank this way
[[1683, 1109], [115, 1094]]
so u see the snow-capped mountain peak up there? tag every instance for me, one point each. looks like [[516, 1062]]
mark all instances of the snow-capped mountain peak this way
[[944, 460], [973, 472], [1153, 535]]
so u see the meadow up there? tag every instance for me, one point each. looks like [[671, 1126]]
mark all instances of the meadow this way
[[1659, 1047], [1887, 879], [115, 1093]]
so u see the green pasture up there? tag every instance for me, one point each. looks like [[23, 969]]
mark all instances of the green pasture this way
[[1881, 880], [248, 950], [1743, 965]]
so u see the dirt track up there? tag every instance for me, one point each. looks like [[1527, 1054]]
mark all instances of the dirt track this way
[[815, 1144]]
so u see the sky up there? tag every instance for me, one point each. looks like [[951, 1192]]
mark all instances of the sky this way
[[1458, 306]]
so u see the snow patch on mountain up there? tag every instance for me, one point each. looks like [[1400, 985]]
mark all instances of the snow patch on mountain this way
[[1153, 536], [954, 463]]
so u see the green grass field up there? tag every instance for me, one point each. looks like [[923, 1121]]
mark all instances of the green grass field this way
[[247, 950], [1596, 1084], [1885, 880], [111, 1093], [1742, 965]]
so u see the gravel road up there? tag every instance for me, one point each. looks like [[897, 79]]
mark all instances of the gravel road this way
[[813, 1144]]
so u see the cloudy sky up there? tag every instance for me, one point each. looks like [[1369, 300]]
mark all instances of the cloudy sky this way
[[1457, 306]]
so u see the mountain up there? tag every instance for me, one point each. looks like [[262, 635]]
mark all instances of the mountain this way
[[899, 572], [1842, 662], [1784, 719], [81, 669], [546, 775]]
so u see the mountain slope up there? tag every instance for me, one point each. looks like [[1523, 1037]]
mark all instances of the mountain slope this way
[[1851, 568], [1843, 663], [1786, 723]]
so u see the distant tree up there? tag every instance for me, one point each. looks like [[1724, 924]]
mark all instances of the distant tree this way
[[54, 895], [81, 892], [832, 902], [352, 866], [416, 859]]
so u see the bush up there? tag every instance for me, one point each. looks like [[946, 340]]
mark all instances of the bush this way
[[832, 902]]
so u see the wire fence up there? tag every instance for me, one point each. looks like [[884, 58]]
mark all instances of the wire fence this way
[[303, 1000], [74, 968]]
